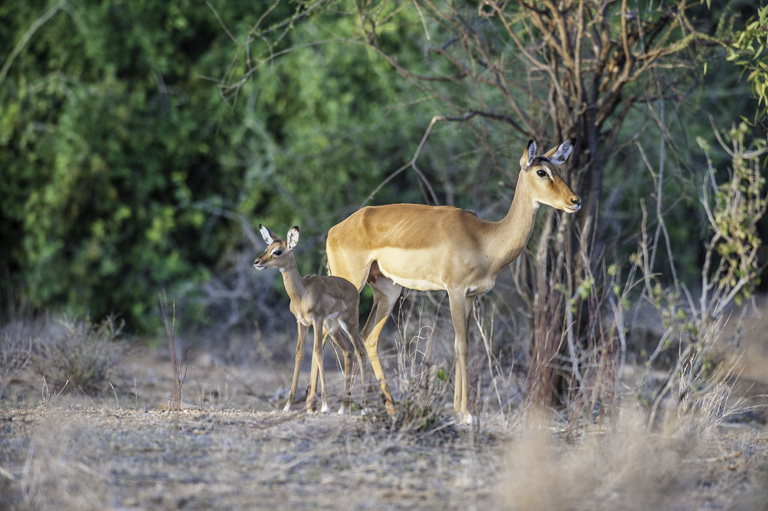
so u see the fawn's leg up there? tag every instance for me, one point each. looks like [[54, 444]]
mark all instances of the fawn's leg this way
[[302, 336], [317, 370]]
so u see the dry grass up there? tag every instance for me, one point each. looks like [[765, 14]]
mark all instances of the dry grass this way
[[630, 466], [621, 467], [234, 451], [16, 339], [116, 458], [77, 354], [228, 447], [54, 470]]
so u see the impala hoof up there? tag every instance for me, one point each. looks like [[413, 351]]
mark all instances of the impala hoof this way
[[343, 410], [467, 419], [287, 407]]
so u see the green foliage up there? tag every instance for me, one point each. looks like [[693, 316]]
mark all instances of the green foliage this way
[[749, 51], [135, 136], [123, 167], [738, 205], [337, 127], [110, 135]]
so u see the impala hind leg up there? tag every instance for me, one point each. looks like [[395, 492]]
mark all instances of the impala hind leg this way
[[385, 295], [361, 359]]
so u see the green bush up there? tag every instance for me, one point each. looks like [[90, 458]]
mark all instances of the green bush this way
[[123, 166]]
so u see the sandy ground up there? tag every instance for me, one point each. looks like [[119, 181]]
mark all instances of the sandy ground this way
[[231, 447]]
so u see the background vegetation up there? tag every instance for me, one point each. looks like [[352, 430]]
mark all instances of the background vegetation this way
[[123, 166], [140, 144]]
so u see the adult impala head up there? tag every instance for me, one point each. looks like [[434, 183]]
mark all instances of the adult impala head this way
[[541, 181]]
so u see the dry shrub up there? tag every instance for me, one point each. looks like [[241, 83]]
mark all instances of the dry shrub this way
[[16, 339], [421, 383], [695, 322], [77, 353], [626, 467]]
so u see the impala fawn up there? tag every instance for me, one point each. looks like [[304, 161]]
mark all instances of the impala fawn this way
[[327, 304]]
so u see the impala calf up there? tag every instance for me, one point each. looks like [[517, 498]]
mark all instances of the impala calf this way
[[327, 304], [431, 248]]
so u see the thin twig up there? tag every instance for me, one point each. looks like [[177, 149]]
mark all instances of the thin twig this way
[[50, 13]]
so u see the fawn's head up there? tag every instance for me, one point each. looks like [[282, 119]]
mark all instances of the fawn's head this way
[[278, 252]]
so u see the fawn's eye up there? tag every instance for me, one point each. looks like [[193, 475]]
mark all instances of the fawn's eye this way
[[278, 252], [541, 173]]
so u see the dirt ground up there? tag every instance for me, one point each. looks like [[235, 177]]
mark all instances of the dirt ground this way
[[233, 451], [231, 447]]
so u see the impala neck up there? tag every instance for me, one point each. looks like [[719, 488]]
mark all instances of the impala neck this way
[[514, 230], [294, 284]]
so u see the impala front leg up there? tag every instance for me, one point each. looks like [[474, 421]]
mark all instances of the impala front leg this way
[[461, 307], [302, 336]]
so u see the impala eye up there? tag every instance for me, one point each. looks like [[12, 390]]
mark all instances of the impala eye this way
[[278, 252], [541, 173]]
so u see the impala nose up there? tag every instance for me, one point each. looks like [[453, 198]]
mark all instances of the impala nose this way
[[576, 201]]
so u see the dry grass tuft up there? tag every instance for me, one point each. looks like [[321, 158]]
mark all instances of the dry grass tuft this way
[[16, 339], [56, 474], [78, 353], [625, 467]]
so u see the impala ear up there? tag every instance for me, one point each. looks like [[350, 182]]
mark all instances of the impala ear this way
[[268, 238], [293, 237], [528, 155], [560, 153]]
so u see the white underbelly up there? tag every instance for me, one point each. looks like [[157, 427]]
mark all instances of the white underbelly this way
[[428, 285], [413, 275], [417, 284]]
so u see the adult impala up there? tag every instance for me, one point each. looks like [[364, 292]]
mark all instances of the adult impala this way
[[325, 303], [430, 248]]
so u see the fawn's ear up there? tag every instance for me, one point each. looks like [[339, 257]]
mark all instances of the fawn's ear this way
[[293, 237], [528, 155], [268, 238]]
